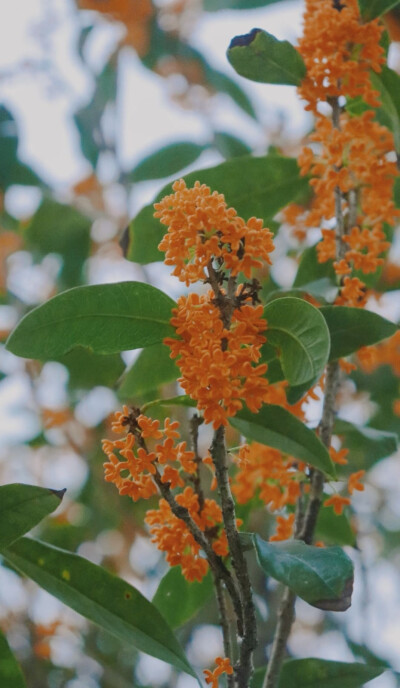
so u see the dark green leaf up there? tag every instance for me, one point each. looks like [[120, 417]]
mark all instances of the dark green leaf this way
[[387, 83], [260, 56], [334, 529], [87, 370], [322, 289], [11, 675], [58, 228], [22, 507], [369, 444], [216, 5], [322, 576], [166, 161], [310, 270], [299, 333], [370, 9], [178, 600], [321, 673], [277, 428], [352, 328], [254, 186], [106, 318], [100, 596], [152, 368], [230, 146]]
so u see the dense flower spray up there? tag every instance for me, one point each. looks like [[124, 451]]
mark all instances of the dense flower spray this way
[[352, 161]]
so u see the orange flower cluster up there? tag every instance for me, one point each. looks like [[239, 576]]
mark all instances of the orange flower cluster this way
[[338, 502], [223, 667], [173, 537], [386, 353], [339, 51], [284, 530], [217, 363], [135, 15], [266, 471], [132, 468], [202, 229]]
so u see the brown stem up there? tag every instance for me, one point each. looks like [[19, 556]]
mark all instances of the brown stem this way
[[306, 529], [244, 667], [224, 621], [216, 563]]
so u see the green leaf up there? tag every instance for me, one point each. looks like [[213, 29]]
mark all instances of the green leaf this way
[[334, 529], [87, 370], [152, 368], [12, 171], [254, 186], [100, 596], [278, 428], [22, 507], [321, 673], [217, 5], [166, 161], [299, 333], [370, 9], [322, 289], [178, 600], [61, 229], [387, 83], [322, 576], [106, 318], [11, 675], [310, 270], [352, 328], [230, 146], [260, 56], [367, 445]]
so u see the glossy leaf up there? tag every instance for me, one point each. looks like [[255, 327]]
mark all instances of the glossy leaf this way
[[178, 600], [100, 596], [334, 529], [87, 370], [321, 673], [22, 507], [370, 9], [11, 675], [61, 229], [106, 318], [260, 56], [367, 445], [300, 335], [322, 576], [152, 368], [278, 428], [352, 328], [253, 186], [387, 84], [166, 161]]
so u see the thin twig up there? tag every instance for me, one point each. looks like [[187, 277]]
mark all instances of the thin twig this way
[[244, 667], [224, 621]]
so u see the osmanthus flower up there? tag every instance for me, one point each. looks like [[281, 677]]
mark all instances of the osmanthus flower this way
[[267, 473], [136, 17], [285, 526], [218, 365], [135, 469], [386, 353], [223, 667], [202, 229], [352, 154]]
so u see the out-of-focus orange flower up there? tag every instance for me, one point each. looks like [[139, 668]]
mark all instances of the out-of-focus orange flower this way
[[339, 456], [54, 418], [354, 482], [223, 667], [386, 353], [265, 471], [338, 503], [9, 242], [201, 228], [284, 530], [135, 14]]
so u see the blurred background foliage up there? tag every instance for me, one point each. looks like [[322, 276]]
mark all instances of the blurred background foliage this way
[[56, 236]]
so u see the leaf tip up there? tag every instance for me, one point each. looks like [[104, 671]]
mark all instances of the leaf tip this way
[[244, 39], [340, 604], [59, 493]]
